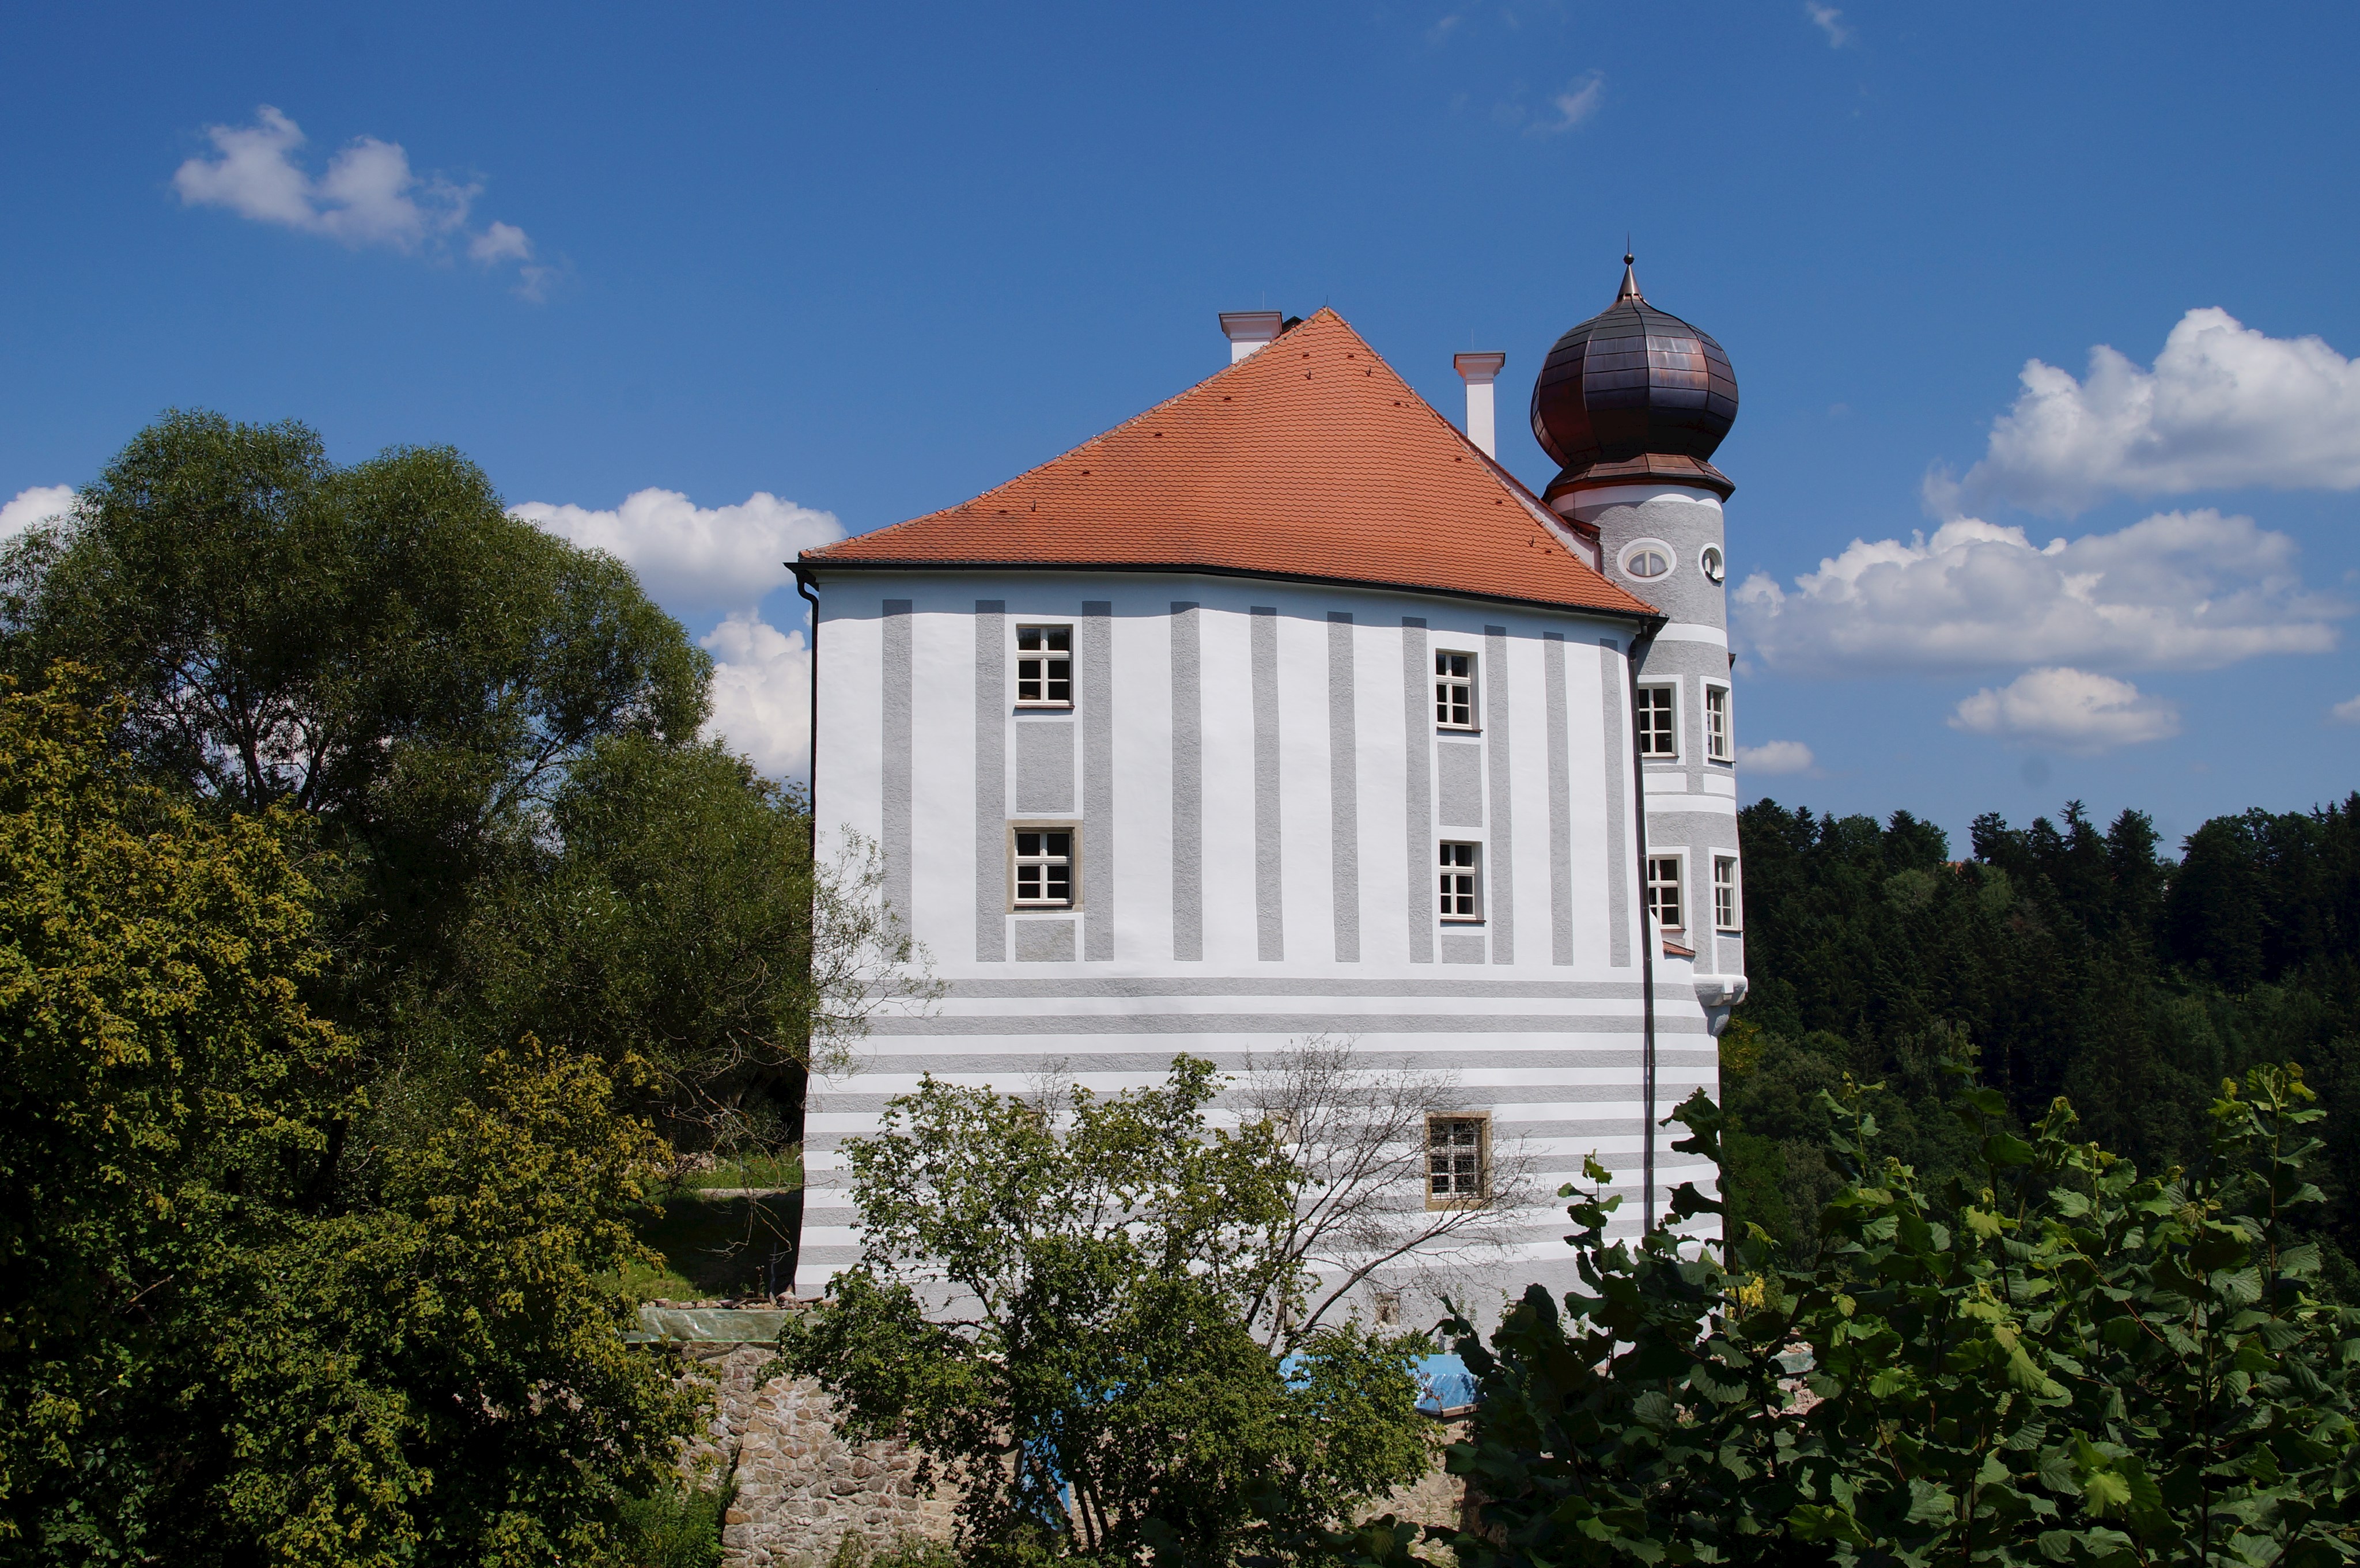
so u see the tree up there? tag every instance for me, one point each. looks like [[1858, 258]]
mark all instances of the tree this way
[[1356, 1132], [2064, 1362], [204, 1358], [1052, 1306]]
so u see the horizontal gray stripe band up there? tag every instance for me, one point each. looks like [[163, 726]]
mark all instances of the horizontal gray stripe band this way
[[1463, 1096], [1192, 985], [1273, 1023]]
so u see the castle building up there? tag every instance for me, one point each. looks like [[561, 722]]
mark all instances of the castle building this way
[[1282, 710]]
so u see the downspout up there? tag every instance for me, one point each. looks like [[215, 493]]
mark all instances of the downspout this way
[[1647, 939], [805, 586]]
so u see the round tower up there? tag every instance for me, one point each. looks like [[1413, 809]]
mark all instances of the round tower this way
[[1631, 403]]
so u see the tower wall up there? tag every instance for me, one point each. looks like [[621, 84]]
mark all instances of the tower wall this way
[[1692, 798]]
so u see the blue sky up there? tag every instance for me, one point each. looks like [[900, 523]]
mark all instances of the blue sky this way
[[810, 269]]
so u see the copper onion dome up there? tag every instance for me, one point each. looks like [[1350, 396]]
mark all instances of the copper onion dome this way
[[1634, 395]]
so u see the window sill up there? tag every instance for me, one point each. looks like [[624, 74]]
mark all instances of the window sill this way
[[1459, 729], [1460, 922], [1042, 909], [1438, 1205], [1045, 707]]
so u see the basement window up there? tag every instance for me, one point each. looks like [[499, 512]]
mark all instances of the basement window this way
[[1456, 1173]]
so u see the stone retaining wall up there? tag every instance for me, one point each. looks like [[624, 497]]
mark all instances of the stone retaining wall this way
[[801, 1488]]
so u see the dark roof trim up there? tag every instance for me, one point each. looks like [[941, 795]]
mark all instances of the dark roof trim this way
[[814, 568]]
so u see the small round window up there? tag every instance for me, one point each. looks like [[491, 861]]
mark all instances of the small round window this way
[[1711, 565], [1647, 558]]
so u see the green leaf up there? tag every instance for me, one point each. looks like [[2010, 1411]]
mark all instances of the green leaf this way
[[2004, 1149]]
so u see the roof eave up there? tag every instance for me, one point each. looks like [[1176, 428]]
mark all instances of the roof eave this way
[[1645, 616]]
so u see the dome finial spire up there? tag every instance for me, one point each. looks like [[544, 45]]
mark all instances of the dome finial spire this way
[[1629, 290]]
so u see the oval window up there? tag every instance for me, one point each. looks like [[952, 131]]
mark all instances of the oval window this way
[[1647, 561], [1714, 566]]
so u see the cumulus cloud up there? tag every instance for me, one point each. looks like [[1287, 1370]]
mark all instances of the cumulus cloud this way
[[761, 693], [37, 505], [2222, 405], [2067, 710], [2346, 712], [1776, 757], [1577, 104], [691, 557], [368, 195], [2176, 590], [1828, 20]]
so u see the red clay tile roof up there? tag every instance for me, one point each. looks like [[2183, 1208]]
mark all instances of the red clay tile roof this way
[[1310, 459]]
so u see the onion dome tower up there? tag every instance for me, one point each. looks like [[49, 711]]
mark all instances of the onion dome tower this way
[[1631, 403]]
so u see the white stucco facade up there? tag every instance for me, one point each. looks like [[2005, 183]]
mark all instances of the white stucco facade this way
[[1259, 788]]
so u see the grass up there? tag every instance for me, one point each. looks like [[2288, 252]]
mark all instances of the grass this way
[[769, 1173]]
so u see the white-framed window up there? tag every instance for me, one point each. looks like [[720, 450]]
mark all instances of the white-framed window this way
[[1458, 1161], [1454, 691], [1042, 862], [1718, 742], [1728, 909], [1712, 563], [1045, 666], [1659, 730], [1461, 870], [1664, 896], [1647, 559]]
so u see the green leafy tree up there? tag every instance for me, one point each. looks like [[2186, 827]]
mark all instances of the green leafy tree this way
[[2064, 1363], [1076, 1350], [202, 1360]]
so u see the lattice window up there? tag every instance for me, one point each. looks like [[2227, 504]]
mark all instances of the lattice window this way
[[1657, 736], [1045, 666], [1462, 897], [1456, 1152], [1044, 867], [1454, 691]]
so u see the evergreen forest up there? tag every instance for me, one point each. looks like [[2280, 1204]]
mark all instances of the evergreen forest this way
[[2062, 958]]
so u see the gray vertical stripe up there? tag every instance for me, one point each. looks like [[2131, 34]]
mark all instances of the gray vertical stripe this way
[[1269, 916], [1343, 787], [1618, 871], [1459, 784], [1045, 767], [1097, 778], [1417, 697], [1500, 851], [990, 780], [1187, 786], [1560, 784], [898, 688]]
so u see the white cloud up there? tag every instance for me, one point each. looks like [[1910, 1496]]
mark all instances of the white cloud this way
[[501, 242], [1828, 20], [2068, 710], [2224, 405], [2177, 591], [1776, 757], [691, 557], [1577, 104], [368, 195], [37, 505], [761, 693], [2346, 712]]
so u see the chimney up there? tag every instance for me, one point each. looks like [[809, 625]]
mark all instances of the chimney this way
[[1250, 330], [1480, 371]]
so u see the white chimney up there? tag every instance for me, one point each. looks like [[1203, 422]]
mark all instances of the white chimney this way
[[1480, 371], [1250, 330]]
